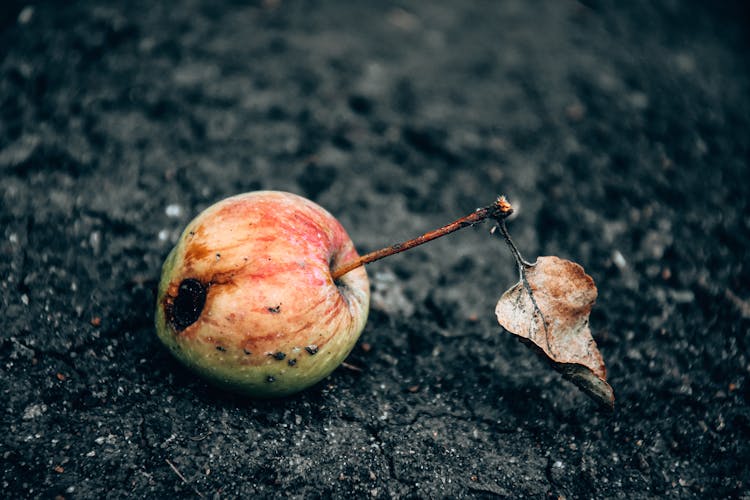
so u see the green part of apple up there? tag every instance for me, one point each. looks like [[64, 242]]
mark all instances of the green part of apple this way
[[246, 297]]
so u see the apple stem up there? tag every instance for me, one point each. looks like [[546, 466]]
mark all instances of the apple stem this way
[[499, 211]]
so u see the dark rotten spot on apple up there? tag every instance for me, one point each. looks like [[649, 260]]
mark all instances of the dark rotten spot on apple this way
[[184, 309]]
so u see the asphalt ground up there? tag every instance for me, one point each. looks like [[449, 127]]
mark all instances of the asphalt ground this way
[[618, 129]]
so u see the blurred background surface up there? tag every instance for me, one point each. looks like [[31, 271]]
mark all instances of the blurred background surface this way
[[618, 129]]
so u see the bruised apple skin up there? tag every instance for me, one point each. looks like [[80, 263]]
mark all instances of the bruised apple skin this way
[[246, 297]]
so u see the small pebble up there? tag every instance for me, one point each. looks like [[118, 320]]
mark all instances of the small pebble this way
[[619, 260], [26, 14], [173, 210]]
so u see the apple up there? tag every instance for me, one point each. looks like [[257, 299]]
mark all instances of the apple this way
[[247, 299]]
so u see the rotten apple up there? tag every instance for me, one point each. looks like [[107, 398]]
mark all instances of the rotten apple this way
[[247, 298]]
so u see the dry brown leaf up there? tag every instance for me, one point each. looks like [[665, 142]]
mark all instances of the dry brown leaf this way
[[550, 307]]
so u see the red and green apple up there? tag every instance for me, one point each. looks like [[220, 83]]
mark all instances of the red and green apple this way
[[247, 298]]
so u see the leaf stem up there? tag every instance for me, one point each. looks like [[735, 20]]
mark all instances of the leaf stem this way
[[522, 263], [498, 211]]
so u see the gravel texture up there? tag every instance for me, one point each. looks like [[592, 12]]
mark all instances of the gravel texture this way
[[619, 130]]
